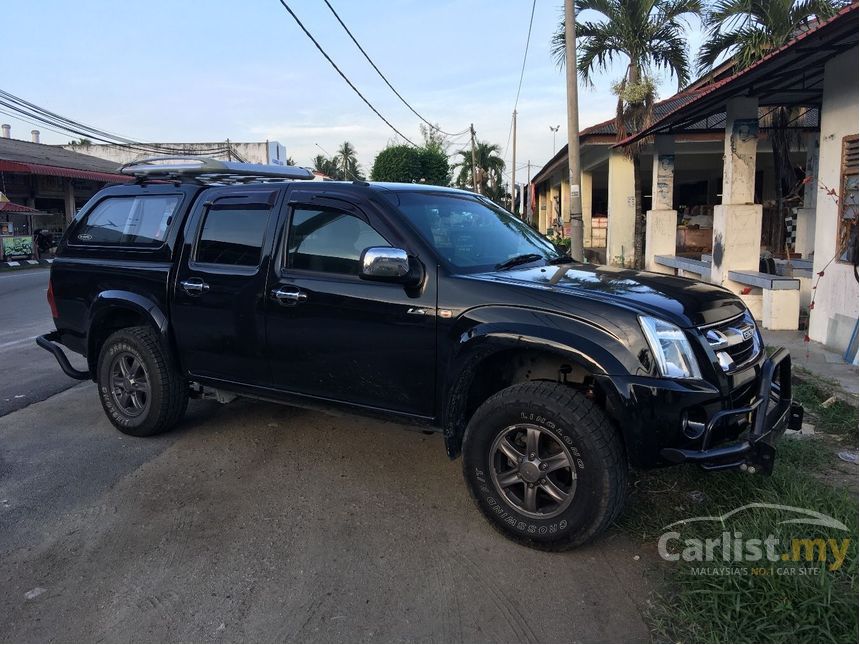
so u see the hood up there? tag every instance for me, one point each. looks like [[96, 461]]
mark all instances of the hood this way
[[684, 302]]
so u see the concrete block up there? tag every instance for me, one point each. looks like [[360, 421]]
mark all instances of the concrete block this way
[[780, 309], [737, 242], [660, 230], [753, 301]]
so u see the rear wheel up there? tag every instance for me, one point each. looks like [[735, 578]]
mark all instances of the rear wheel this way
[[140, 388], [544, 465]]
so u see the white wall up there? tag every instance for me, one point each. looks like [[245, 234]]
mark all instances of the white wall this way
[[835, 312], [251, 152]]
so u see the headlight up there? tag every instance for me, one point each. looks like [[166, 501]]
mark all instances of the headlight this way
[[670, 347]]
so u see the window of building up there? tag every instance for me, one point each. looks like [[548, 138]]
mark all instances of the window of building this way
[[232, 236], [132, 221], [848, 205], [329, 241]]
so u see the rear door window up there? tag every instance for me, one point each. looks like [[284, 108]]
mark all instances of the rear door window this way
[[129, 221], [232, 236]]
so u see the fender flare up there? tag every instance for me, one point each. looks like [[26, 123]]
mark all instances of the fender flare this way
[[110, 301], [600, 351]]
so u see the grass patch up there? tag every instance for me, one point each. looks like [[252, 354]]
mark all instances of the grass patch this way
[[811, 391], [758, 605]]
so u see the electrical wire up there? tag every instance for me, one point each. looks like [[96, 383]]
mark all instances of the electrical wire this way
[[522, 74], [387, 82], [343, 76], [36, 115]]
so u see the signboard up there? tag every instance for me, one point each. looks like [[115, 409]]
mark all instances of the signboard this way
[[17, 247]]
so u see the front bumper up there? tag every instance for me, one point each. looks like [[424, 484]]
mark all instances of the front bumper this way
[[769, 414]]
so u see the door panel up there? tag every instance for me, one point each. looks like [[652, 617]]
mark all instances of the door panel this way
[[220, 291], [339, 337]]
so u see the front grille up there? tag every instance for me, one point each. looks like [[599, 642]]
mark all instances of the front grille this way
[[736, 342]]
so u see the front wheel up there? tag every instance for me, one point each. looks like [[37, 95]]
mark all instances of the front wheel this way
[[544, 465], [140, 388]]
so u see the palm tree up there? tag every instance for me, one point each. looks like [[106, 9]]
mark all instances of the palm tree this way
[[649, 36], [347, 161], [488, 169], [746, 31], [325, 165]]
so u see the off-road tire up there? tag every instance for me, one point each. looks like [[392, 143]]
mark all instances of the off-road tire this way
[[594, 449], [168, 391]]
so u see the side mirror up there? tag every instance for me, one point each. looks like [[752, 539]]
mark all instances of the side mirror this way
[[388, 264]]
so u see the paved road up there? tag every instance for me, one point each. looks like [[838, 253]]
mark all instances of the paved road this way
[[27, 373], [255, 522]]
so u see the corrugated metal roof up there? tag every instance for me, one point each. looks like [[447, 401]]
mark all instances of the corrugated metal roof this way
[[771, 78], [38, 153]]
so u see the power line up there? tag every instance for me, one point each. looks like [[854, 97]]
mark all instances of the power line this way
[[387, 82], [342, 75], [522, 74], [36, 115]]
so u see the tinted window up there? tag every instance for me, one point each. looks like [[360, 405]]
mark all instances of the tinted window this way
[[329, 241], [232, 236], [129, 220]]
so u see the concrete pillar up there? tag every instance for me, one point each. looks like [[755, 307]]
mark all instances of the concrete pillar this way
[[565, 205], [586, 208], [804, 236], [622, 210], [737, 221], [661, 222], [69, 199]]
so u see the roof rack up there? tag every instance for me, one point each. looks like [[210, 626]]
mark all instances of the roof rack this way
[[205, 170]]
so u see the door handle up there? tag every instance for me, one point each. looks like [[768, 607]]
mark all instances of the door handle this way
[[289, 296], [194, 286]]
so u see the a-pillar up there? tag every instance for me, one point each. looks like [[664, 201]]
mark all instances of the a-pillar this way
[[622, 210], [586, 209], [804, 234], [69, 199], [661, 222], [737, 221]]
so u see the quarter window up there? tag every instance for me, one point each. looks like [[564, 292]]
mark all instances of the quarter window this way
[[132, 221], [232, 236], [329, 241]]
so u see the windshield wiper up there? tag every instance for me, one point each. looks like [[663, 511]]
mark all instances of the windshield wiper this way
[[525, 258]]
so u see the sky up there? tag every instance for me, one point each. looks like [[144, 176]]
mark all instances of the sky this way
[[209, 70]]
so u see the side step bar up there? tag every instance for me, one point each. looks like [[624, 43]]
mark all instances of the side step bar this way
[[46, 341]]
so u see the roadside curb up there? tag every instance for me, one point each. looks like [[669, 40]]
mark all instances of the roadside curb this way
[[24, 264]]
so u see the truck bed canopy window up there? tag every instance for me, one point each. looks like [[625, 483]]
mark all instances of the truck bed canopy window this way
[[128, 221]]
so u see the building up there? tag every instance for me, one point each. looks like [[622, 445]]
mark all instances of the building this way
[[43, 187], [716, 136], [264, 152]]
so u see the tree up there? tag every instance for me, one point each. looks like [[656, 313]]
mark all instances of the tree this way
[[401, 163], [346, 162], [435, 169], [746, 31], [325, 165], [488, 168], [649, 36], [290, 161], [83, 141]]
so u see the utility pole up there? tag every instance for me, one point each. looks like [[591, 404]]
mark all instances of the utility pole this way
[[514, 170], [575, 201], [344, 164], [474, 171]]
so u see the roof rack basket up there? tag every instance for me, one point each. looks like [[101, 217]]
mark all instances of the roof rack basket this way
[[205, 170]]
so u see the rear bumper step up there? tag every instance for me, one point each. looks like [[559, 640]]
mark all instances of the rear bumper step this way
[[46, 341]]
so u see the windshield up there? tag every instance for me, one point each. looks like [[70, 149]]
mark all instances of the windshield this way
[[472, 234]]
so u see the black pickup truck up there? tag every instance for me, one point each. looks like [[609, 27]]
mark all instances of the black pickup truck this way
[[421, 304]]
